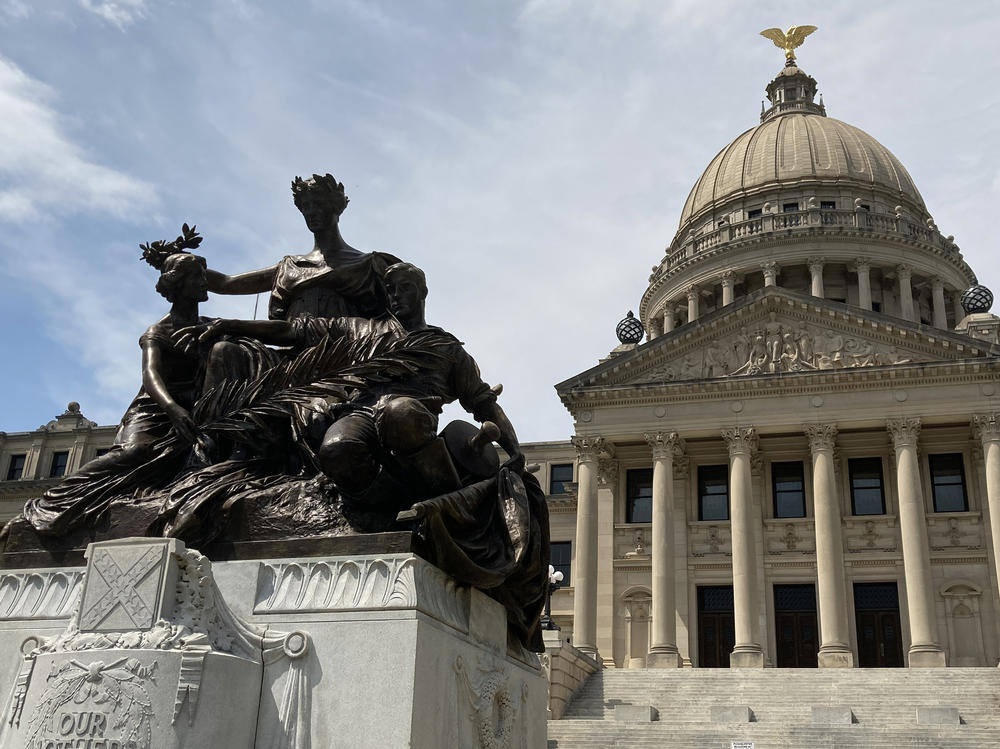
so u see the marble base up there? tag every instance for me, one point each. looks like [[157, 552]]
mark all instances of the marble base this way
[[927, 656], [835, 658], [663, 659], [373, 650], [746, 656]]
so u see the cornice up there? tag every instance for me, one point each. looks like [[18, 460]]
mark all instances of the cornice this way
[[785, 384]]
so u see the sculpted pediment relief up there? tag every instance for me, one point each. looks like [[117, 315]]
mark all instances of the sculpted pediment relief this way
[[775, 343]]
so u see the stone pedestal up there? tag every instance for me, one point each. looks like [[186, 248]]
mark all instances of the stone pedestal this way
[[163, 650]]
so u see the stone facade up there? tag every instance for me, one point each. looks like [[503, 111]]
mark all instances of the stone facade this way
[[800, 465], [31, 462]]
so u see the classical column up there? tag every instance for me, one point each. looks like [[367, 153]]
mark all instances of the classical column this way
[[607, 489], [771, 271], [924, 647], [655, 327], [956, 300], [692, 297], [728, 281], [663, 638], [816, 270], [835, 649], [669, 318], [585, 562], [987, 427], [742, 443], [937, 295], [904, 273], [863, 269]]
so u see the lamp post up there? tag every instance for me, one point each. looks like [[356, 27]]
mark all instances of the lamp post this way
[[555, 577]]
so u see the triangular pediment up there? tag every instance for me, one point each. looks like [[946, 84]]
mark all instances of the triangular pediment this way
[[777, 332]]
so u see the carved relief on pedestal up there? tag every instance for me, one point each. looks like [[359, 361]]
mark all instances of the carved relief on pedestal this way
[[49, 594], [494, 705], [102, 703]]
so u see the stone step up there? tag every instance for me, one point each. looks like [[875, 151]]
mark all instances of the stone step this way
[[884, 704]]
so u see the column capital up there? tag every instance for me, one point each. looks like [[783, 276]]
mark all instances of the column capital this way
[[904, 432], [987, 427], [822, 437], [741, 440], [937, 284], [862, 265], [728, 278], [591, 447], [904, 272], [691, 292], [816, 264], [770, 268], [607, 471], [665, 444]]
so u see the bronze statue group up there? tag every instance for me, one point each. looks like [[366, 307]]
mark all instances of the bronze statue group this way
[[321, 420]]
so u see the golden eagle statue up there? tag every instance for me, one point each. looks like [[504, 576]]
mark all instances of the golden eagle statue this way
[[788, 40]]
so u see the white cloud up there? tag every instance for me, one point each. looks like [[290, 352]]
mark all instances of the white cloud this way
[[44, 168], [15, 9], [120, 13]]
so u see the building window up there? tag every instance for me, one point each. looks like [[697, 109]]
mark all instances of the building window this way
[[755, 213], [560, 474], [876, 306], [16, 468], [948, 482], [790, 94], [789, 207], [59, 461], [639, 495], [713, 492], [560, 557], [828, 205], [788, 485], [867, 494]]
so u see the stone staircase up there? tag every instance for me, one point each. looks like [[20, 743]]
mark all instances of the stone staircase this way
[[707, 709]]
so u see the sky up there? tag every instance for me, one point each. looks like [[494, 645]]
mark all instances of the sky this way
[[532, 157]]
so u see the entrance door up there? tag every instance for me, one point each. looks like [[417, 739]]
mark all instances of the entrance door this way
[[880, 642], [795, 626], [716, 631]]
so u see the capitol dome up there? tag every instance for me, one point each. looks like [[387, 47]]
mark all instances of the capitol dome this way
[[809, 203], [798, 147]]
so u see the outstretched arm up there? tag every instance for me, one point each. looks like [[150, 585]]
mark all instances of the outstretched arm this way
[[252, 282]]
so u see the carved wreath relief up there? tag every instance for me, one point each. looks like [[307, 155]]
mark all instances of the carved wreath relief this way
[[94, 705], [493, 705], [778, 347]]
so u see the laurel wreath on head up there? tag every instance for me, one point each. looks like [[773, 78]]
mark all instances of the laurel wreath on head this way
[[156, 253]]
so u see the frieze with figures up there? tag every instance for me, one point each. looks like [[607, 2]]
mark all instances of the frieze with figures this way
[[777, 347]]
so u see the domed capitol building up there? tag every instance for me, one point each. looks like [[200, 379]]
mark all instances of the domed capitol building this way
[[791, 461], [798, 466]]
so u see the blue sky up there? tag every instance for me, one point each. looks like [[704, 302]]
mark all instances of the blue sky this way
[[533, 157]]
